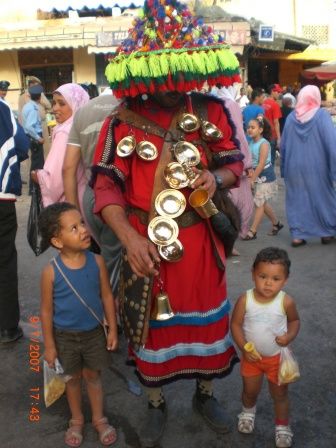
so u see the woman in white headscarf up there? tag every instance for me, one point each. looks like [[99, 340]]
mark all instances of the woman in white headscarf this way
[[67, 99], [308, 166]]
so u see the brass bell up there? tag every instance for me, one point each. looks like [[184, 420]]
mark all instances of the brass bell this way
[[126, 146], [162, 309], [210, 132], [188, 123], [146, 150]]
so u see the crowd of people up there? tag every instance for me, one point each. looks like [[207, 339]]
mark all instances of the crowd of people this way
[[112, 162]]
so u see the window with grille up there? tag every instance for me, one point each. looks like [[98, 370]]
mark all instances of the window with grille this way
[[318, 33]]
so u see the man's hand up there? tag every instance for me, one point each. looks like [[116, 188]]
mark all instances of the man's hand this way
[[142, 256], [34, 177], [206, 181]]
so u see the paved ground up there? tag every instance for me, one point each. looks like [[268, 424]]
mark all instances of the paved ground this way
[[313, 398]]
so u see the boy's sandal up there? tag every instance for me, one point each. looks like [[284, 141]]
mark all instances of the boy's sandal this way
[[246, 422], [276, 229], [74, 434], [106, 433], [283, 436], [250, 236]]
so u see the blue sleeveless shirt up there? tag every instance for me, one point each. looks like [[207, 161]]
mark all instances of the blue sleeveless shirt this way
[[267, 174], [69, 313]]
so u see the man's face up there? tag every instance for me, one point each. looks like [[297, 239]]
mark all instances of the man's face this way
[[170, 99], [3, 93]]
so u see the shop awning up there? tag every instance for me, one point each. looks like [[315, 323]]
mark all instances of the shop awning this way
[[314, 54], [324, 72]]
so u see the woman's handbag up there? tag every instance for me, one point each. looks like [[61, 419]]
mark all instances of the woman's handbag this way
[[34, 239], [79, 297]]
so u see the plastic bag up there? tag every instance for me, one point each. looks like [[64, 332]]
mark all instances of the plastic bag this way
[[54, 382], [33, 236], [289, 368]]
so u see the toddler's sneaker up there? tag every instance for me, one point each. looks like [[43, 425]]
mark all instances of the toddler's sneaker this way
[[283, 436], [246, 422]]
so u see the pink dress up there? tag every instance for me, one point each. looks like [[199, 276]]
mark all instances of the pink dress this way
[[50, 177]]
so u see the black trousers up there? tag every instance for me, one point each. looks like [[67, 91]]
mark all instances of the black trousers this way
[[36, 158], [9, 300]]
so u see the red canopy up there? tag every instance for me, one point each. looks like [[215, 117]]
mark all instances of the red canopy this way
[[324, 72]]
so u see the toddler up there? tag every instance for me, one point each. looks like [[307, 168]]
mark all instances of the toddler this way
[[268, 317]]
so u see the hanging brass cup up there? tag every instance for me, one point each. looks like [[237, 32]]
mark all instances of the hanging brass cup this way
[[175, 175], [162, 309], [210, 132], [163, 231], [203, 205], [188, 123], [170, 203], [146, 150], [126, 146], [187, 153], [173, 252]]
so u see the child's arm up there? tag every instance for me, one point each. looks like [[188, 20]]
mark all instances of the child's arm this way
[[263, 153], [47, 310], [293, 322], [108, 304], [237, 320]]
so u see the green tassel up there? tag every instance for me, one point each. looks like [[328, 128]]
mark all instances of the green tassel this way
[[154, 66], [173, 63], [164, 64]]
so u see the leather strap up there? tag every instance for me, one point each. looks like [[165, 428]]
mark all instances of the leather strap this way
[[187, 219]]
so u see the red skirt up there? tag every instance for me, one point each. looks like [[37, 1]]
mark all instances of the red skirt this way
[[195, 343]]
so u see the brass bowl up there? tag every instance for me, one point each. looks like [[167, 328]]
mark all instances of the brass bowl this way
[[163, 231], [210, 132], [188, 122], [173, 252], [187, 153], [175, 175], [146, 150], [170, 203], [126, 146]]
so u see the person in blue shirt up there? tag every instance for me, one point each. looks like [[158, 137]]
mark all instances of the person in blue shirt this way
[[32, 125], [75, 296], [13, 148], [254, 109]]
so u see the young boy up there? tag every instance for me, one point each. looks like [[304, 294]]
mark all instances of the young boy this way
[[71, 332], [266, 316]]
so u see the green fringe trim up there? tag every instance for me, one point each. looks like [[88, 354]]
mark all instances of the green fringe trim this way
[[193, 63]]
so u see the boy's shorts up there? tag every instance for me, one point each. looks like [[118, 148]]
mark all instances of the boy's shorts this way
[[79, 349], [268, 365]]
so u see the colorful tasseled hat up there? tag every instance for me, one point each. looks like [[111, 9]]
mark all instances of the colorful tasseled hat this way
[[168, 49]]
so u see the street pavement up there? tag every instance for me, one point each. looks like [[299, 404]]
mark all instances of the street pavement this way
[[25, 421]]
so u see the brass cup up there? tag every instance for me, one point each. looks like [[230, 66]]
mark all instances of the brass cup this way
[[175, 176], [210, 132], [203, 205], [188, 123], [173, 252], [146, 150], [187, 153], [126, 146], [170, 203], [162, 230]]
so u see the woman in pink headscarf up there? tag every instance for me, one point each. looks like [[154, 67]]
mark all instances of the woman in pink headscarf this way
[[308, 166], [67, 99]]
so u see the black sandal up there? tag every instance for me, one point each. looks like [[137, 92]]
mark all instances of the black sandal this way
[[250, 236], [276, 229]]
